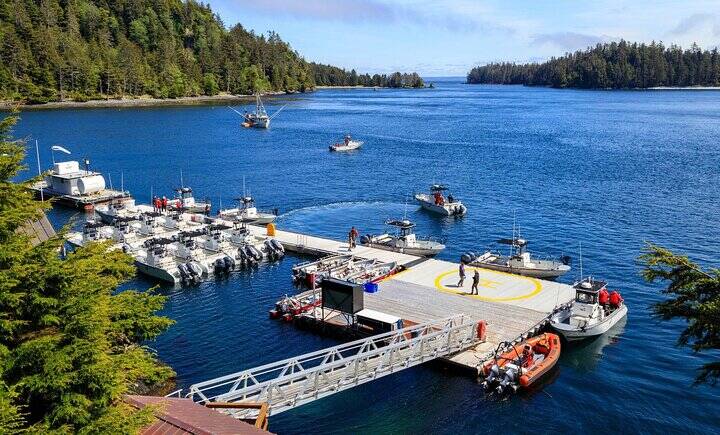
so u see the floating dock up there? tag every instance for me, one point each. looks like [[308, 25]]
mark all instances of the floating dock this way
[[513, 306]]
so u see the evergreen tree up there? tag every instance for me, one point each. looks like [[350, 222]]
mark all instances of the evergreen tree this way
[[694, 297], [614, 65], [70, 345]]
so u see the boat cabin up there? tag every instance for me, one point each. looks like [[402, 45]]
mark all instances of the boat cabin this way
[[405, 228], [66, 178], [185, 194], [587, 296]]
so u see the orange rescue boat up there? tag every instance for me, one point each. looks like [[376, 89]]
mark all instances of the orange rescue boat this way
[[522, 364]]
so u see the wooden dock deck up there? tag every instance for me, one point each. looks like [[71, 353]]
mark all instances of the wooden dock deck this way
[[512, 305]]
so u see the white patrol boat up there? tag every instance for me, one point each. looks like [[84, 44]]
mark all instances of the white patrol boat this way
[[437, 203], [589, 315], [185, 201], [405, 242], [519, 261], [247, 212]]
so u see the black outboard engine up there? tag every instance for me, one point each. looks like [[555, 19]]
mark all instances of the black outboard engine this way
[[468, 257], [566, 260], [365, 239], [184, 273], [257, 255], [219, 266], [229, 264]]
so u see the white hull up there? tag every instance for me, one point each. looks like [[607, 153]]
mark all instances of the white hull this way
[[524, 271], [448, 209], [353, 145], [573, 334], [156, 272]]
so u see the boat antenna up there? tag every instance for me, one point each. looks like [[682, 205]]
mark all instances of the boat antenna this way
[[581, 266], [151, 193], [122, 181], [110, 180], [182, 184], [37, 154]]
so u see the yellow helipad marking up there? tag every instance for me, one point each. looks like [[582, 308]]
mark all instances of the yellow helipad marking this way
[[486, 283], [395, 275]]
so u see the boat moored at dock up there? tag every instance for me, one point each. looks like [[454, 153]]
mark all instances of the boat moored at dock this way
[[185, 201], [248, 212], [593, 312], [405, 242], [519, 261], [522, 364], [436, 202]]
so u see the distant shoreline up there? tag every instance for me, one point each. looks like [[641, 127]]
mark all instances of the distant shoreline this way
[[136, 102]]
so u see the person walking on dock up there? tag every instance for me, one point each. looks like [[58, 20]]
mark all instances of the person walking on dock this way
[[352, 236], [476, 280], [461, 272], [164, 203]]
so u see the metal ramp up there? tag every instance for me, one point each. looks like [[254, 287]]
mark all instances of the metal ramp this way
[[295, 381]]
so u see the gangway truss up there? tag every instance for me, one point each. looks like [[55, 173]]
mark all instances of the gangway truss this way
[[292, 382]]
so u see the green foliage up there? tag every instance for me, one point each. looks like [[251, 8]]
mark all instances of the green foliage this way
[[694, 297], [328, 75], [617, 65], [70, 346]]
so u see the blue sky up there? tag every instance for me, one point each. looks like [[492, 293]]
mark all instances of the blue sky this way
[[448, 37]]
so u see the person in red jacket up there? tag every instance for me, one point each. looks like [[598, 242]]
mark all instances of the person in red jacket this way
[[352, 236], [615, 299]]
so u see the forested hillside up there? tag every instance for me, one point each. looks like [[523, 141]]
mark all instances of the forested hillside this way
[[615, 65], [85, 49], [328, 75]]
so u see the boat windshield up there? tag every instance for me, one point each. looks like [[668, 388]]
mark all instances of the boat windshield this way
[[586, 297]]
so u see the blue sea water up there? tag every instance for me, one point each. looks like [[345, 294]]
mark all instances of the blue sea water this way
[[606, 169]]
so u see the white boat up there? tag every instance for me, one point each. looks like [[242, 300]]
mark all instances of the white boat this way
[[436, 202], [126, 209], [405, 242], [185, 201], [348, 144], [586, 317], [247, 212], [519, 261], [310, 273]]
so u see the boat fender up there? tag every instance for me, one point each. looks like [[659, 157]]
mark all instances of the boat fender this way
[[481, 330]]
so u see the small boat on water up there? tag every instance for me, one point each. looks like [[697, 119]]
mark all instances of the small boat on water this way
[[248, 212], [405, 241], [519, 261], [121, 209], [436, 202], [348, 144], [522, 364], [593, 312]]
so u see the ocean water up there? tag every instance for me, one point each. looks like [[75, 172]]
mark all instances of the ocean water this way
[[608, 170]]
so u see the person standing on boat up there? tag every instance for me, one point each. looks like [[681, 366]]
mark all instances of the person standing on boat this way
[[351, 238], [476, 280], [164, 203], [155, 203], [207, 209], [461, 272]]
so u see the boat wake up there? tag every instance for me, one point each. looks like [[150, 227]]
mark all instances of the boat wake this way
[[422, 141]]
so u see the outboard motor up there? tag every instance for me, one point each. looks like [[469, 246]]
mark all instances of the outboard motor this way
[[242, 256], [257, 255], [229, 264], [365, 239], [566, 260], [510, 379], [278, 246], [468, 257], [195, 271], [219, 266], [492, 377], [184, 272]]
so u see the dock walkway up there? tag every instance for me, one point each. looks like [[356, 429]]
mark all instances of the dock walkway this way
[[427, 290]]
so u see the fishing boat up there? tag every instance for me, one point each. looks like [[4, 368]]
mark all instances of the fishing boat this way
[[248, 212], [348, 144], [593, 312], [521, 364], [519, 261], [436, 202], [185, 201], [259, 118], [405, 241]]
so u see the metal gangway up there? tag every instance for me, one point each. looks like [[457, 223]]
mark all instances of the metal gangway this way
[[292, 382]]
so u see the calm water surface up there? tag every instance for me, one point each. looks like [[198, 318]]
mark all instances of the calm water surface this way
[[610, 170]]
